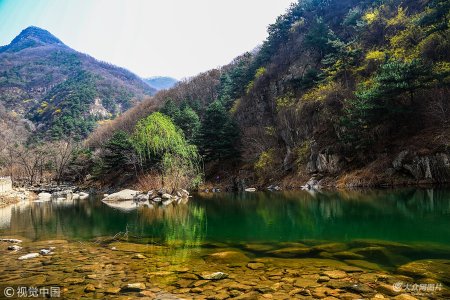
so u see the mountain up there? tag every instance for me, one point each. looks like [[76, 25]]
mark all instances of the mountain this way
[[62, 91], [161, 82], [342, 93]]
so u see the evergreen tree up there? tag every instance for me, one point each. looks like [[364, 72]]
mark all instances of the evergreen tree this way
[[218, 133]]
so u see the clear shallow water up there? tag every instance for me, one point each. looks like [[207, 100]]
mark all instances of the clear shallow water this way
[[417, 217]]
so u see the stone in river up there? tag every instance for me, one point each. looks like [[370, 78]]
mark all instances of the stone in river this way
[[89, 288], [290, 252], [214, 276], [14, 248], [255, 266], [14, 241], [438, 269], [112, 291], [45, 251], [228, 257], [133, 287], [335, 274], [138, 256], [29, 256], [123, 195]]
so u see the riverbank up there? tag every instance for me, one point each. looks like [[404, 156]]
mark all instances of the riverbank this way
[[122, 270], [15, 196]]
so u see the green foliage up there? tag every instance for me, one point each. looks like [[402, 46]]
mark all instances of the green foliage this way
[[219, 134], [185, 118], [163, 146], [117, 154], [67, 106]]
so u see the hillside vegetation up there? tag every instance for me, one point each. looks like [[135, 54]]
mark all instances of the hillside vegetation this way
[[62, 91], [346, 92]]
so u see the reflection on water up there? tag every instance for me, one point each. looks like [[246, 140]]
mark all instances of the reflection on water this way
[[402, 215]]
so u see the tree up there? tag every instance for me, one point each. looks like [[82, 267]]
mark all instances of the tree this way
[[218, 133], [118, 154], [162, 146]]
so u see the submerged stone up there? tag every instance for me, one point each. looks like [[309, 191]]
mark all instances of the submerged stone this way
[[228, 257], [438, 269], [214, 276], [290, 252], [133, 287], [29, 256]]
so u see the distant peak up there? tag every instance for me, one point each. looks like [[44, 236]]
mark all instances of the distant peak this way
[[36, 34]]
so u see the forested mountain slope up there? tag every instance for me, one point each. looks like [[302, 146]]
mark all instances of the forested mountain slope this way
[[347, 92], [62, 91]]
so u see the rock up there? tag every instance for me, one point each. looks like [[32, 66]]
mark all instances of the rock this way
[[255, 266], [14, 241], [29, 256], [105, 195], [228, 257], [432, 167], [133, 287], [250, 190], [75, 196], [335, 274], [184, 193], [44, 196], [306, 282], [323, 279], [363, 264], [90, 288], [312, 184], [83, 195], [141, 198], [167, 202], [438, 269], [74, 280], [138, 256], [45, 251], [14, 248], [214, 276], [112, 291], [166, 196], [123, 195], [359, 288], [347, 255], [290, 252], [157, 199]]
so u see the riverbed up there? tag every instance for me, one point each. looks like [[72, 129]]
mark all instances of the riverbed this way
[[277, 245]]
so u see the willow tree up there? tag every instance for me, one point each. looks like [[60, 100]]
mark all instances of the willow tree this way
[[162, 146]]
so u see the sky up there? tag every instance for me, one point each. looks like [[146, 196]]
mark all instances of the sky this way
[[178, 38]]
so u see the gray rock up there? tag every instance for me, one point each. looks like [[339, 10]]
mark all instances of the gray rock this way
[[157, 199], [29, 256], [14, 241], [14, 248], [166, 196], [214, 276], [123, 195], [250, 190], [133, 287], [44, 196], [141, 197], [45, 251]]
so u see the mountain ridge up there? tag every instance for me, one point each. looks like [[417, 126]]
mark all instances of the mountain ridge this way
[[37, 72]]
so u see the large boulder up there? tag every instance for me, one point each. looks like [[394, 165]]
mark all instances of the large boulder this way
[[124, 195], [432, 167]]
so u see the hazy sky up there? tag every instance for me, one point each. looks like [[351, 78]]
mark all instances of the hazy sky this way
[[178, 38]]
